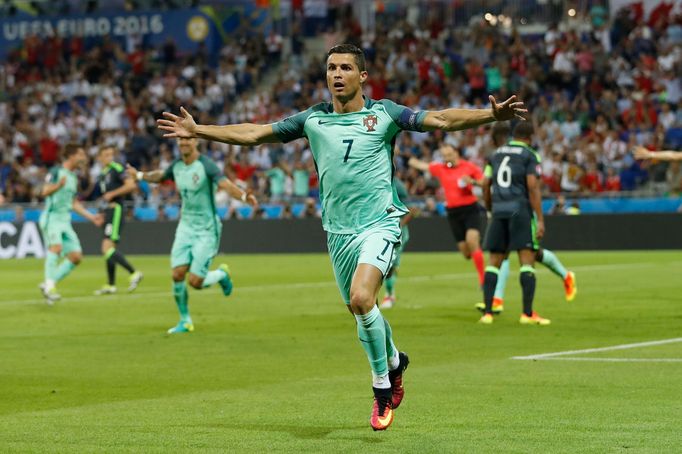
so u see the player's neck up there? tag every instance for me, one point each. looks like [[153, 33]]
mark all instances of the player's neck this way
[[354, 104], [68, 165], [190, 158]]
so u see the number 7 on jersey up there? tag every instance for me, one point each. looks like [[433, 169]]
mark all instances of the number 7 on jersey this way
[[350, 144]]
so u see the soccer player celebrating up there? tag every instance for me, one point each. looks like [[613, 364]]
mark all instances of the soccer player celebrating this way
[[500, 135], [467, 218], [55, 221], [114, 185], [511, 190], [197, 236], [351, 139], [392, 275]]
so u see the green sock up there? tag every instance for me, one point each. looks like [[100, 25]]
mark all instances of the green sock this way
[[64, 269], [180, 294], [51, 265], [502, 280], [372, 334], [390, 284], [213, 276], [551, 261], [391, 350]]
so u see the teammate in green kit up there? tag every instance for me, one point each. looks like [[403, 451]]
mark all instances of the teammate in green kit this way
[[352, 139], [392, 276], [197, 236], [61, 240], [114, 185]]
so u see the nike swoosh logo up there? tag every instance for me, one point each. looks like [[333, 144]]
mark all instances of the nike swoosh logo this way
[[380, 259], [387, 417], [320, 122]]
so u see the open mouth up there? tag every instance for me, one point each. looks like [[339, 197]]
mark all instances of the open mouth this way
[[339, 85]]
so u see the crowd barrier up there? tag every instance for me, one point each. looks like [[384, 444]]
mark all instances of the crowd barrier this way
[[584, 232]]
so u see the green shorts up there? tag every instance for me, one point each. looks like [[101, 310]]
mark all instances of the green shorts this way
[[194, 247], [58, 231], [404, 238], [375, 246]]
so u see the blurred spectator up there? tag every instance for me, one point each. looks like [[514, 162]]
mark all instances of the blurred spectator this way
[[310, 210], [559, 206]]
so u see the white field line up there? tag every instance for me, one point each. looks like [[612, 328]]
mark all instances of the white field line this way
[[331, 282], [554, 355], [616, 360]]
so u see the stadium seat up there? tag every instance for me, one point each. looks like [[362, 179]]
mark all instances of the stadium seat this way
[[441, 208], [297, 209], [146, 213], [172, 212], [7, 216], [222, 212], [273, 211], [245, 211], [673, 138]]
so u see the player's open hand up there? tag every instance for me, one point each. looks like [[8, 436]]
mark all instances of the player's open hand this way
[[642, 153], [540, 229], [509, 109], [183, 126]]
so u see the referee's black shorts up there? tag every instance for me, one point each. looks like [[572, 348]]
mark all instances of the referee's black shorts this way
[[113, 222], [465, 218]]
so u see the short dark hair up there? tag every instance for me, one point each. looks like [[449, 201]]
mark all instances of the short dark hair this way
[[104, 147], [70, 149], [500, 132], [350, 49], [523, 130]]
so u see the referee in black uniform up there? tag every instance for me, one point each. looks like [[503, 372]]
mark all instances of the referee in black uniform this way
[[114, 185]]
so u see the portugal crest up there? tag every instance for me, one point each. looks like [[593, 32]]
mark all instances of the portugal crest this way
[[370, 121], [195, 178]]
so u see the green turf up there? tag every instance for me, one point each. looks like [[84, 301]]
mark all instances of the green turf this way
[[277, 367]]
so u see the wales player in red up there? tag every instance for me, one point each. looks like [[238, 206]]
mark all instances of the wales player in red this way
[[467, 217]]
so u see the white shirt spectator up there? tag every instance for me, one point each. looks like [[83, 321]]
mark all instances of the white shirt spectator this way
[[111, 116]]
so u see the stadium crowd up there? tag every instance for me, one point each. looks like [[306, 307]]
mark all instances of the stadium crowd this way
[[594, 90]]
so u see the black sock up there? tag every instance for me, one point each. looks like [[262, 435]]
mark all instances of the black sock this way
[[489, 284], [527, 279], [111, 270], [121, 260]]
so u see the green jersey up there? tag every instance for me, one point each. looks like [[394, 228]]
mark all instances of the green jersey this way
[[59, 204], [277, 180], [196, 183], [353, 155]]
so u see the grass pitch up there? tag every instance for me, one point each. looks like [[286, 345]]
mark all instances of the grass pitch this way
[[277, 367]]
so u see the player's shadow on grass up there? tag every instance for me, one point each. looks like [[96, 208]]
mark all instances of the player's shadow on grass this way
[[308, 432]]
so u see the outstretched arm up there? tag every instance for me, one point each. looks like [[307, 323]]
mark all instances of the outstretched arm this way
[[240, 134], [667, 155], [418, 164], [456, 119], [154, 176], [234, 191]]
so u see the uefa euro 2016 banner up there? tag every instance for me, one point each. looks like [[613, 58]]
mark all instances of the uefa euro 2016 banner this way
[[188, 27]]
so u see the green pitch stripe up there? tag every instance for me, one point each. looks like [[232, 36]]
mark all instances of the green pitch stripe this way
[[116, 223]]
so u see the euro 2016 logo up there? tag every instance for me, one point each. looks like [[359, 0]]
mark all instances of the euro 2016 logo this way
[[370, 122]]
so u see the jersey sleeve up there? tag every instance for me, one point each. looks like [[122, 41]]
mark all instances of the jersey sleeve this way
[[168, 173], [533, 164], [212, 171], [52, 176], [406, 118], [291, 128], [476, 172], [434, 169]]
